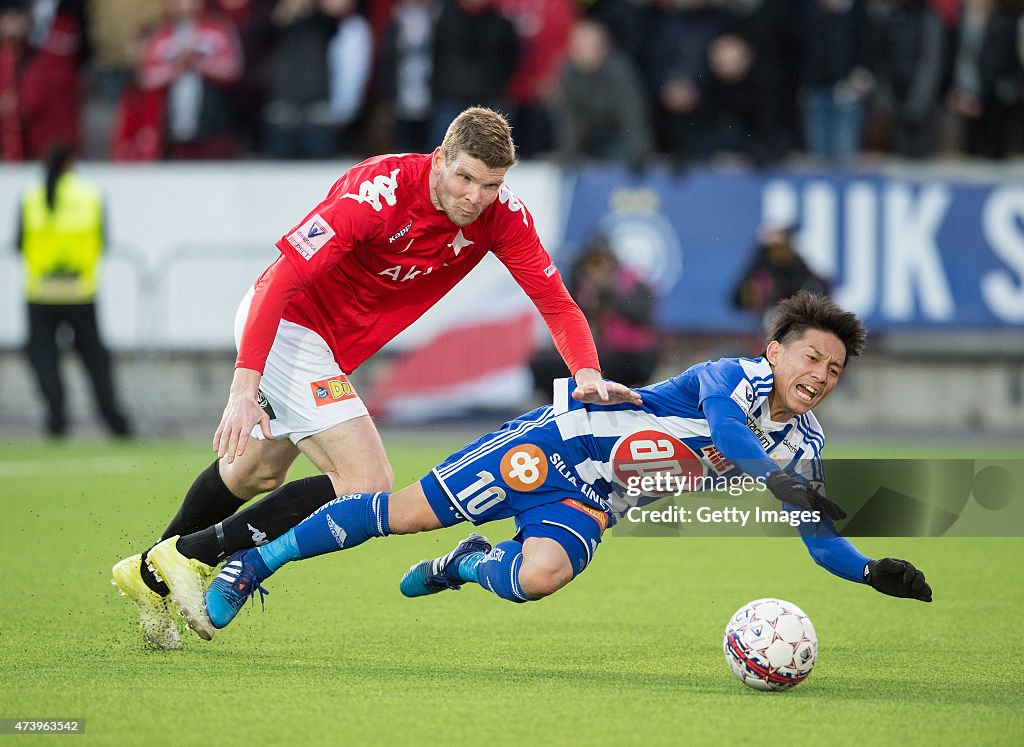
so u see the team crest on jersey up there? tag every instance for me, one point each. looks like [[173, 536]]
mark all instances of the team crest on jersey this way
[[524, 467], [459, 243], [331, 390], [311, 236], [649, 453], [371, 192], [743, 395]]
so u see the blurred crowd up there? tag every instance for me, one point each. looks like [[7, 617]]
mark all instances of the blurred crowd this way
[[612, 80]]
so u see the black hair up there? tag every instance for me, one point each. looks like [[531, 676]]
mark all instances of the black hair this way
[[57, 161], [805, 310]]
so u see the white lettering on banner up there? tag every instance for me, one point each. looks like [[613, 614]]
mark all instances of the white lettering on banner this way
[[860, 262], [820, 200], [911, 256], [904, 272], [371, 192], [1002, 217]]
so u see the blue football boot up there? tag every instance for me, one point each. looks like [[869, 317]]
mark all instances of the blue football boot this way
[[432, 576], [237, 581]]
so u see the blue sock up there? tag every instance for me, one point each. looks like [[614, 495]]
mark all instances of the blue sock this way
[[467, 567], [345, 522], [276, 553], [499, 571]]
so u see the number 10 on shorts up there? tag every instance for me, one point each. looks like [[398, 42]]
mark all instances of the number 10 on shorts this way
[[477, 498]]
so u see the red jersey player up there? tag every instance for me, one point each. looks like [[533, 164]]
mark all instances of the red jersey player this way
[[393, 236]]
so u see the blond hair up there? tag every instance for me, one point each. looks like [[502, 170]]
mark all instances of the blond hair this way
[[483, 134]]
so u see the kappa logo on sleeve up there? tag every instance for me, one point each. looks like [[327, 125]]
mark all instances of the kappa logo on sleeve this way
[[515, 205], [372, 192], [331, 390], [311, 236]]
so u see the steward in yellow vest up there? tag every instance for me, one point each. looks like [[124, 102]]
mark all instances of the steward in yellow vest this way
[[61, 240], [61, 237]]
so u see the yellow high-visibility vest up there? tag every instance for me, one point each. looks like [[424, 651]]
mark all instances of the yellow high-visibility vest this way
[[62, 247]]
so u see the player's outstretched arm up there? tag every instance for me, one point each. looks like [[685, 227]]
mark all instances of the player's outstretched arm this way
[[789, 489], [241, 413], [897, 578], [592, 389]]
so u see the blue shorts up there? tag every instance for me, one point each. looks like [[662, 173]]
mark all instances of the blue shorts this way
[[522, 471]]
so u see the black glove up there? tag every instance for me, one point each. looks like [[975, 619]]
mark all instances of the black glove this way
[[790, 490], [897, 578]]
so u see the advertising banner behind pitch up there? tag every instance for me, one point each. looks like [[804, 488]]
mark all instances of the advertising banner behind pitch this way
[[902, 253]]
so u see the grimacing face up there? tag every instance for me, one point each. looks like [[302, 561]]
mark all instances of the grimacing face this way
[[806, 370], [463, 187]]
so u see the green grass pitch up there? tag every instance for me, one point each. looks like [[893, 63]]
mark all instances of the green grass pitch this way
[[629, 653]]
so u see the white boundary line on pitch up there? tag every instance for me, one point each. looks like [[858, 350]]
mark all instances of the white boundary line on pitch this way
[[86, 466]]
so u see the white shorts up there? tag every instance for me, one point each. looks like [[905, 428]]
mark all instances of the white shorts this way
[[303, 389]]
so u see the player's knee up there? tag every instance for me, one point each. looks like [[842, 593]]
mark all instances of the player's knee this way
[[368, 480], [250, 483], [538, 580], [346, 484], [407, 514]]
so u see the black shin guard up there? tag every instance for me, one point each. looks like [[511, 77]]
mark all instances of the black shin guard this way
[[207, 502], [265, 520]]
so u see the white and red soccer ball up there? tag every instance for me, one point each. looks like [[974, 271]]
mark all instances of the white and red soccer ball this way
[[770, 644]]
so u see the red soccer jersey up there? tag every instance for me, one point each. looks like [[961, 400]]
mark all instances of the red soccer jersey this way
[[376, 254]]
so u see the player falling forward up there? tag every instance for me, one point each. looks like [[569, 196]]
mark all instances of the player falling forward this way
[[392, 237], [554, 471]]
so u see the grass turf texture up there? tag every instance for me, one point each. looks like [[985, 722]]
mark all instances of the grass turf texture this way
[[629, 653]]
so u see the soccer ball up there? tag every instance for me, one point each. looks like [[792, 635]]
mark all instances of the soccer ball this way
[[770, 644]]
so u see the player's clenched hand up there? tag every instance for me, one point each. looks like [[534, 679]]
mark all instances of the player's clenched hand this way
[[241, 413], [897, 578], [594, 390], [788, 489]]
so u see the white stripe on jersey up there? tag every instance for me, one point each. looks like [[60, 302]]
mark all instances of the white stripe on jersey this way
[[573, 424], [491, 445], [613, 423], [591, 471], [561, 400]]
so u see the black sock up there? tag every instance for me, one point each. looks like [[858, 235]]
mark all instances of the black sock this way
[[263, 521], [207, 501]]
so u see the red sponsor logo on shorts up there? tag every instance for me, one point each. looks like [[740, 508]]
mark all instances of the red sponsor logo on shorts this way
[[334, 389], [597, 515]]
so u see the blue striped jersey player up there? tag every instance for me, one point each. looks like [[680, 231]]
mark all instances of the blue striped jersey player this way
[[564, 474]]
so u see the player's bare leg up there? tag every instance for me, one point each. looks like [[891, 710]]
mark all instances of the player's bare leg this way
[[546, 567], [352, 455], [261, 468]]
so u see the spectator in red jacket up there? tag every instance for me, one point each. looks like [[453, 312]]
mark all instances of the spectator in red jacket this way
[[542, 27], [49, 120], [194, 57], [15, 24]]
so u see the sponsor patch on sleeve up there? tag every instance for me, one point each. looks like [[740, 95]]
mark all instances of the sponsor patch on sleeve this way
[[311, 236], [743, 395], [550, 270]]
